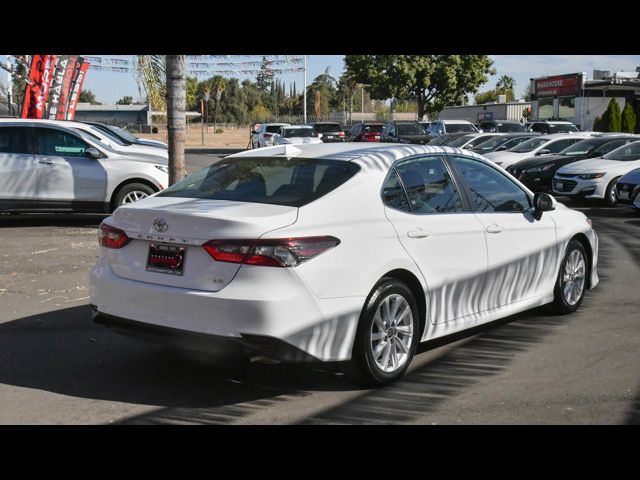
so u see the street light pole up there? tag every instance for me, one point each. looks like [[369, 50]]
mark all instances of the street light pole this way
[[305, 89]]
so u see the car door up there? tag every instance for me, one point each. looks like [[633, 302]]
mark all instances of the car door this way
[[522, 250], [18, 172], [66, 175], [439, 232]]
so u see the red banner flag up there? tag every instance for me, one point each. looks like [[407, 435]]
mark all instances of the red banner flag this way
[[81, 72], [37, 91], [60, 112]]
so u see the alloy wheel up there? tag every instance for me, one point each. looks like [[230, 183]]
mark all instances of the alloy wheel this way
[[573, 277], [392, 333], [134, 196]]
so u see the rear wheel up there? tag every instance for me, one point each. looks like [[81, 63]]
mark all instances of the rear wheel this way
[[611, 196], [572, 279], [131, 193], [387, 334]]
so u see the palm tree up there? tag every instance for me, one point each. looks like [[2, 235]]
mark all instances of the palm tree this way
[[219, 86], [505, 83], [164, 80]]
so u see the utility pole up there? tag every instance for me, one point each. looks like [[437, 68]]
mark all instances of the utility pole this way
[[305, 89], [362, 95], [202, 120]]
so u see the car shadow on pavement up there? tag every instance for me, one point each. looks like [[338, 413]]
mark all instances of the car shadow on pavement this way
[[64, 352], [50, 220]]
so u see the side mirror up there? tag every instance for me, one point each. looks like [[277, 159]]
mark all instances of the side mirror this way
[[92, 152], [543, 152], [542, 202]]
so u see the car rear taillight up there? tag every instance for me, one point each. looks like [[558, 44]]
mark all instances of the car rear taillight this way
[[267, 135], [280, 252], [112, 237], [341, 134]]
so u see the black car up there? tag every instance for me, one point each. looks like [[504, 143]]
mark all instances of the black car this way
[[502, 142], [537, 172], [501, 126], [404, 132], [331, 132], [550, 126], [446, 138]]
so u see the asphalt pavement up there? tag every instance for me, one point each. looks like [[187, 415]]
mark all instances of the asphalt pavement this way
[[57, 367]]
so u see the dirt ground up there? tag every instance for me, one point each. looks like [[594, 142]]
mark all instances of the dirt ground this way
[[230, 137]]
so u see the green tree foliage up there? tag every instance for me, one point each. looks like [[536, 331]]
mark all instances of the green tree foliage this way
[[325, 85], [612, 118], [486, 97], [628, 119], [597, 125], [126, 100], [87, 96], [432, 81], [265, 76]]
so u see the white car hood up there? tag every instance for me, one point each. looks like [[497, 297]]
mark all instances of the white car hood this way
[[595, 165], [508, 157]]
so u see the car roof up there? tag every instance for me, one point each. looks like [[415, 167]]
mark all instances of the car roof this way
[[455, 121], [351, 151]]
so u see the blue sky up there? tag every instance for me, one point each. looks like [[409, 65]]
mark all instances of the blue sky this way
[[109, 87]]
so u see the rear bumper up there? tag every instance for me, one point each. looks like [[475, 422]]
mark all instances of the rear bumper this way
[[260, 302], [250, 345]]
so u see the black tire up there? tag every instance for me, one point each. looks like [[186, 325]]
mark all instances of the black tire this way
[[560, 303], [364, 369], [610, 195], [122, 193]]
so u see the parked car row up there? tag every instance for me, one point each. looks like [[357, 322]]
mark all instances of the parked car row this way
[[51, 165]]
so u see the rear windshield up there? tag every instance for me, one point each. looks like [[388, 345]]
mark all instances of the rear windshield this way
[[410, 129], [562, 128], [373, 128], [510, 127], [278, 181], [327, 127], [460, 127], [273, 128], [298, 132]]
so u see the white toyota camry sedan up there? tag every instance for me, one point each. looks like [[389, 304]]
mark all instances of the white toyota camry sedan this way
[[339, 252]]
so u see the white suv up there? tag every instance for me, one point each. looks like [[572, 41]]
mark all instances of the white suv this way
[[263, 137], [47, 167], [440, 127]]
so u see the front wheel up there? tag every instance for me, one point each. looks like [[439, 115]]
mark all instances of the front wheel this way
[[387, 334], [572, 279], [131, 193], [610, 195]]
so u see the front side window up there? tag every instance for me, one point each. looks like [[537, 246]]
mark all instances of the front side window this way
[[610, 146], [59, 143], [529, 145], [13, 140], [489, 190], [429, 186], [626, 153], [278, 181], [460, 141]]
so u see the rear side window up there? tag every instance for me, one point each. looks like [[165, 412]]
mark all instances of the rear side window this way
[[278, 181], [13, 140], [556, 147], [59, 143], [429, 186]]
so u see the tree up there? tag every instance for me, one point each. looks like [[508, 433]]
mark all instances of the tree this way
[[219, 85], [597, 125], [176, 81], [628, 123], [486, 97], [433, 81], [323, 88], [505, 84], [612, 118], [87, 96], [126, 100], [265, 76]]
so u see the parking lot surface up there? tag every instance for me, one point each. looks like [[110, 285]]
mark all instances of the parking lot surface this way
[[58, 367]]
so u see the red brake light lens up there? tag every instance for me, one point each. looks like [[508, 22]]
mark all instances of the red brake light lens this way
[[281, 252], [112, 237]]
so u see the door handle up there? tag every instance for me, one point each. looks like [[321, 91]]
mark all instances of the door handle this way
[[495, 228], [418, 233], [47, 162]]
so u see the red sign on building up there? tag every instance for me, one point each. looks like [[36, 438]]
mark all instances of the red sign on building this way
[[559, 85]]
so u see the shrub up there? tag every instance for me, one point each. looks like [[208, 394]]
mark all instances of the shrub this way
[[612, 118], [628, 119]]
